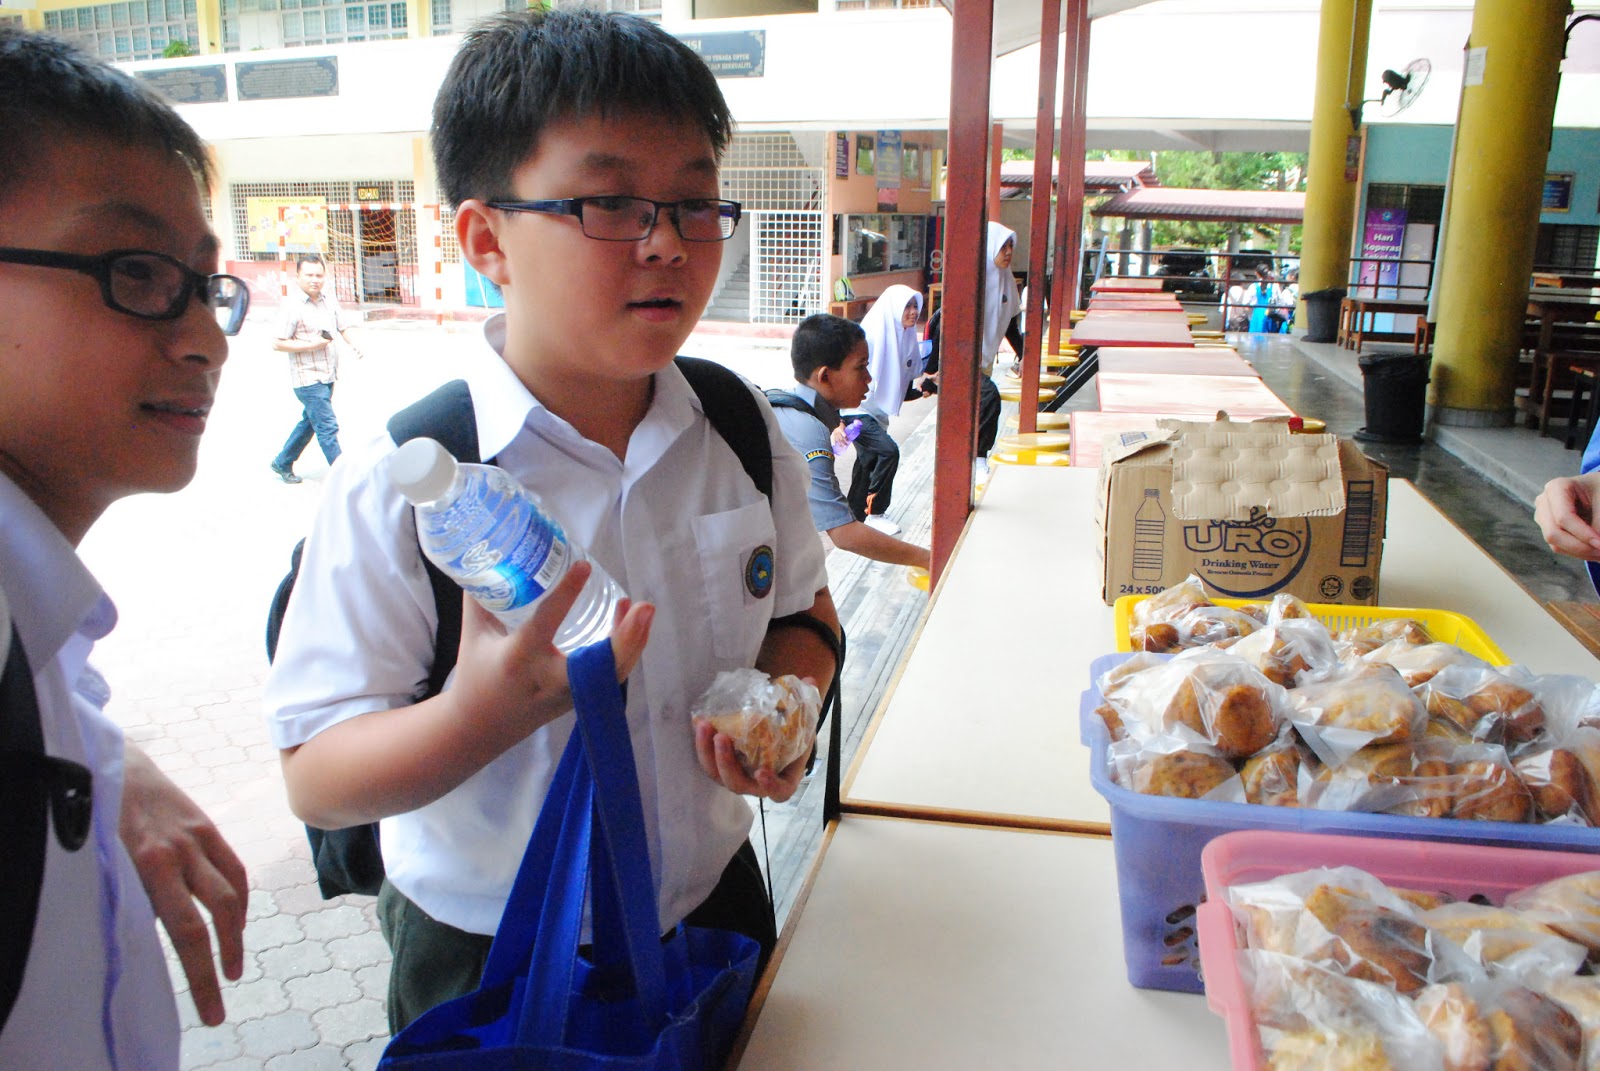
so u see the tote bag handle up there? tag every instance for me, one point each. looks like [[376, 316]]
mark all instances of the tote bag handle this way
[[589, 837]]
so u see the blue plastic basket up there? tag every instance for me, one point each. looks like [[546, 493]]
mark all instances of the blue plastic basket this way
[[1158, 841]]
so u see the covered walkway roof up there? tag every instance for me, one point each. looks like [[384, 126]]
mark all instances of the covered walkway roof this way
[[1207, 206]]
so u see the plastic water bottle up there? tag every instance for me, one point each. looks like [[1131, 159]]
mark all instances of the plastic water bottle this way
[[852, 431], [491, 535]]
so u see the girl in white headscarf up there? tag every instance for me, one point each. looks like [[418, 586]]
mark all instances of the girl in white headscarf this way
[[1000, 309], [895, 357]]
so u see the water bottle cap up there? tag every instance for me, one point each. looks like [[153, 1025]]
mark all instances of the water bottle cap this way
[[422, 470]]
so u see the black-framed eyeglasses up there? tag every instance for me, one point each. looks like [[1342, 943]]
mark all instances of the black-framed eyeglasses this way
[[631, 219], [151, 286], [68, 785]]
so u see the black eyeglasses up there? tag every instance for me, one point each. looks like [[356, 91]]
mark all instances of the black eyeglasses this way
[[151, 286], [631, 219], [68, 785]]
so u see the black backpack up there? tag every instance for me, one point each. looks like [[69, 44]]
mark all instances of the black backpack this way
[[349, 860], [24, 821]]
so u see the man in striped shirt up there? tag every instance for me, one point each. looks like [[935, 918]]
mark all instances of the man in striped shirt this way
[[307, 323]]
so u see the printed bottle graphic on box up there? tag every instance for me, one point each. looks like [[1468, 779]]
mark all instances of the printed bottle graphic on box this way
[[1149, 537]]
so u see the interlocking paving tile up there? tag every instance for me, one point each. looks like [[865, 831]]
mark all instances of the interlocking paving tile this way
[[273, 1035]]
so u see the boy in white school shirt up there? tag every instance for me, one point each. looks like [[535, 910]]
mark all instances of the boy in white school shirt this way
[[110, 353], [588, 192]]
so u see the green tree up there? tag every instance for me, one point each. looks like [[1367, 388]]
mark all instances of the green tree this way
[[177, 48]]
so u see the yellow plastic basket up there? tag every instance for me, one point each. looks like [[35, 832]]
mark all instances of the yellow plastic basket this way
[[1445, 626]]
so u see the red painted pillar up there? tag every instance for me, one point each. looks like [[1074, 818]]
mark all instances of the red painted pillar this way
[[1039, 218], [972, 45], [1063, 288], [1072, 174]]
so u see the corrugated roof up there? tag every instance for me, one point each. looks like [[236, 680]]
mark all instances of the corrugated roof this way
[[1098, 175], [1209, 206]]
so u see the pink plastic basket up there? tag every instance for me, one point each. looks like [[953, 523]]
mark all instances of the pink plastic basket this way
[[1462, 870]]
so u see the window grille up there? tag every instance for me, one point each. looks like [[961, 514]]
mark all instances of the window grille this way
[[371, 245], [878, 5], [449, 248], [649, 9], [780, 182], [135, 30], [11, 21], [440, 21]]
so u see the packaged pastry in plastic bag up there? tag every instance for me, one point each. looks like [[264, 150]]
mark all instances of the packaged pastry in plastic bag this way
[[1150, 625], [1370, 704], [1485, 786], [1418, 664], [1499, 1025], [1570, 906], [1564, 777], [1411, 778], [1169, 766], [1580, 995], [773, 721], [1505, 942], [1368, 638], [1342, 919], [1272, 775], [1293, 652], [1204, 696], [1486, 704], [1312, 1019]]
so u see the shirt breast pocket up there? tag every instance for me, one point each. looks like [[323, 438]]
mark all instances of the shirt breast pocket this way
[[739, 574]]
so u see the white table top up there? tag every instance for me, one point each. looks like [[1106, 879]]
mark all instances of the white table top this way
[[932, 946], [983, 719]]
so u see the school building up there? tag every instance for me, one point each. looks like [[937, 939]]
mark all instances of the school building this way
[[318, 113]]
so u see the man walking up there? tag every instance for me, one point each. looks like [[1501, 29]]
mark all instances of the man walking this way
[[306, 326]]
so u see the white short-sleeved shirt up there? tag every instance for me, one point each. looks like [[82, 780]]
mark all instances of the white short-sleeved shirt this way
[[96, 993], [676, 524]]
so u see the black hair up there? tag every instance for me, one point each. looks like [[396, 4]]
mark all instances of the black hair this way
[[820, 341], [517, 72], [49, 87], [302, 259]]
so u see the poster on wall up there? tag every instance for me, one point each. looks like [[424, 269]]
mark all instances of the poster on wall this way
[[1381, 243], [888, 198], [292, 225], [1557, 192], [888, 159], [911, 166], [863, 154], [841, 156]]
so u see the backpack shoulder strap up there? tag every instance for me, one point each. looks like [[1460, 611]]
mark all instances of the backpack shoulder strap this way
[[779, 398], [447, 416], [734, 412], [24, 821]]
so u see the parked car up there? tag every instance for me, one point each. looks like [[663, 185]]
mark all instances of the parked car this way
[[1187, 272]]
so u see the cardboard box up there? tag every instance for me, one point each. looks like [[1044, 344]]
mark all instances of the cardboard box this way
[[1251, 509]]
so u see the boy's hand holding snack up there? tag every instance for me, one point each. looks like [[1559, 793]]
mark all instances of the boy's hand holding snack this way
[[754, 733]]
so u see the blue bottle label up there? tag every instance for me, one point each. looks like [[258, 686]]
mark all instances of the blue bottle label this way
[[536, 557]]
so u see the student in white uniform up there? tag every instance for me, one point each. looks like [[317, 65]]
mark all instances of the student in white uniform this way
[[588, 193], [895, 358], [108, 366]]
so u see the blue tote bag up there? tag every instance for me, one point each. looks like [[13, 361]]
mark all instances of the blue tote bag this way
[[636, 1001]]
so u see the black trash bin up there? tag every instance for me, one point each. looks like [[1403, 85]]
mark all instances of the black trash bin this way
[[1322, 314], [1396, 388]]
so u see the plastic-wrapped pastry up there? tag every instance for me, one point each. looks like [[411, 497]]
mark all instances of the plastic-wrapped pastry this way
[[1286, 607], [1236, 717], [1379, 944], [1213, 624], [773, 721], [1562, 779], [1312, 1019], [1295, 652], [1488, 789], [1570, 906], [1321, 1049], [1581, 997], [1371, 637], [1203, 696], [1272, 776], [1186, 774], [1405, 778], [1501, 1026], [1163, 608], [1418, 665], [1451, 1014], [1488, 705], [1506, 941], [1372, 700]]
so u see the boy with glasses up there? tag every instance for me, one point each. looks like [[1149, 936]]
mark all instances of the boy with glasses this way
[[111, 345], [581, 152]]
